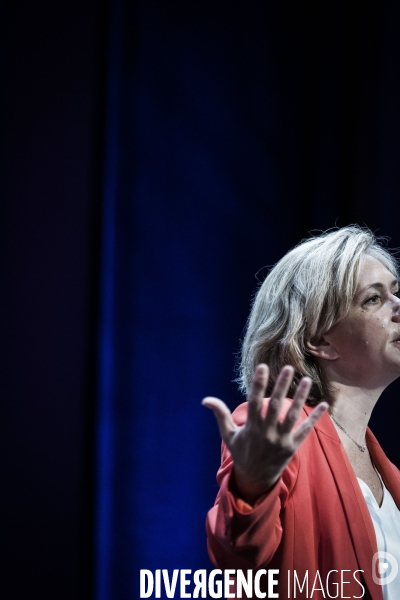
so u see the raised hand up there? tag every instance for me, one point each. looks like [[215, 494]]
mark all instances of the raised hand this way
[[264, 446]]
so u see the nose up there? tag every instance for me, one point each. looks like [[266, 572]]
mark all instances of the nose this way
[[396, 309]]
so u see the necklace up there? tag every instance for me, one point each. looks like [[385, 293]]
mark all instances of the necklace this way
[[360, 447]]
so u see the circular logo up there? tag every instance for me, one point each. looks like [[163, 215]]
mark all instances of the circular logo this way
[[384, 567]]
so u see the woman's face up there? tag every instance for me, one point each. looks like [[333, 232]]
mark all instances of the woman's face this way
[[364, 346]]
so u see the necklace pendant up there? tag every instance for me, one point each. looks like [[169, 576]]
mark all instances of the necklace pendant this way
[[363, 448]]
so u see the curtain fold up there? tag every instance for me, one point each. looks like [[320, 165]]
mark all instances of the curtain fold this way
[[232, 131]]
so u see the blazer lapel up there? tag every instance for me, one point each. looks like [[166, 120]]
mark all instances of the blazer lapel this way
[[384, 467], [356, 510]]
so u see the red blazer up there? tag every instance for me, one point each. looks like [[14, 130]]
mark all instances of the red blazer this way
[[315, 518]]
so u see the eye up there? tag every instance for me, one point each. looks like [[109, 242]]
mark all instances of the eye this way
[[397, 294], [373, 299]]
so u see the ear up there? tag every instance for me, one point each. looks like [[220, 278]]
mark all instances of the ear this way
[[321, 348]]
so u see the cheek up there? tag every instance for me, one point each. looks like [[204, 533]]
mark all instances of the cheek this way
[[365, 333], [373, 332]]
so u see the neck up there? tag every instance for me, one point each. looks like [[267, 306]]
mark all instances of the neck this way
[[354, 394], [352, 407]]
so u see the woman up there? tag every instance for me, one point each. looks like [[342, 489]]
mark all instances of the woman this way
[[304, 486]]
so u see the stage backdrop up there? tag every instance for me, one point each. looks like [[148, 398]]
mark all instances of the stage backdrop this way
[[232, 131], [156, 158]]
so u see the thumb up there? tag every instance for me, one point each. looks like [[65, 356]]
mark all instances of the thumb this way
[[226, 424]]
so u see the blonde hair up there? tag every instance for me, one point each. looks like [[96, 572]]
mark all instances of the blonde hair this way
[[302, 297]]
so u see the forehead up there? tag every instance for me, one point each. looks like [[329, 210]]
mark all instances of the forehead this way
[[372, 271]]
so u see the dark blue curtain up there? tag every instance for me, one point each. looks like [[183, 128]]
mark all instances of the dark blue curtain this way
[[232, 131]]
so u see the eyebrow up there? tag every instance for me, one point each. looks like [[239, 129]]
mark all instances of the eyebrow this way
[[379, 286]]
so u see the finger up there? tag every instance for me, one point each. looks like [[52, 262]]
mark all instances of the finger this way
[[279, 392], [257, 391], [306, 426], [302, 391], [226, 424]]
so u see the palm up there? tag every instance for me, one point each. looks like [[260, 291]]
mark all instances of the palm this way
[[263, 446]]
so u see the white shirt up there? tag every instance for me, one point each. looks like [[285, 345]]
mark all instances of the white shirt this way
[[386, 520]]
